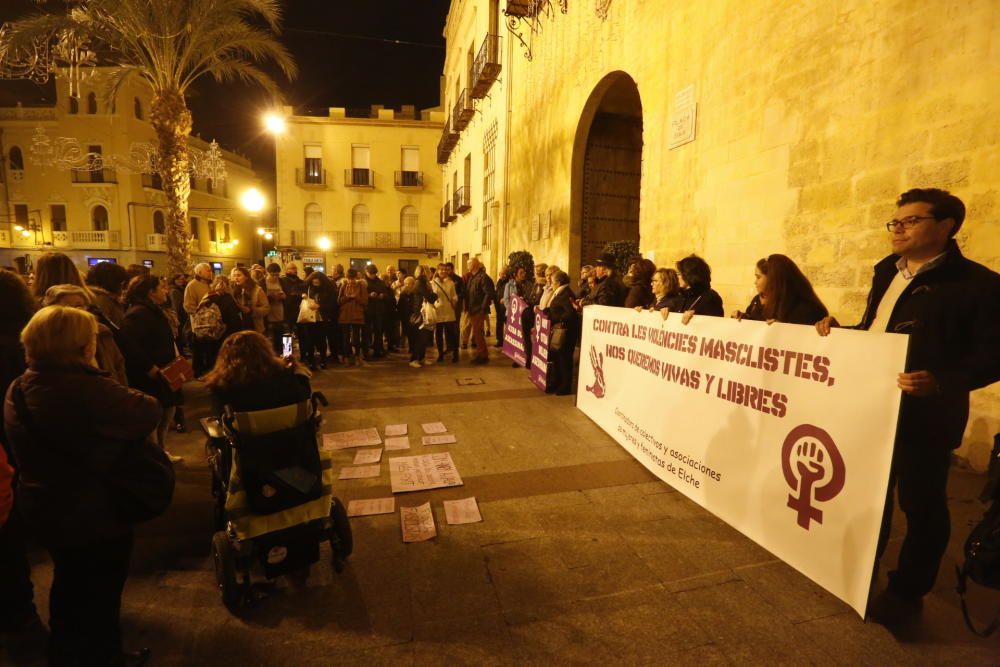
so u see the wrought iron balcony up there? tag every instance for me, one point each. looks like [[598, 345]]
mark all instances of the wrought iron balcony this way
[[486, 66], [359, 178], [449, 137], [310, 178], [464, 111], [446, 214], [522, 8], [462, 201], [409, 179], [98, 176]]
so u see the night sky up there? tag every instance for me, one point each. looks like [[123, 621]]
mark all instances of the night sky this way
[[348, 56]]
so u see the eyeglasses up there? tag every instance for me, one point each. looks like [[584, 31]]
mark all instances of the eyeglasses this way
[[908, 222]]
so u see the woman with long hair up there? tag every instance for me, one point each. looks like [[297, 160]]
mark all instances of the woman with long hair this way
[[316, 346], [423, 334], [249, 376], [54, 268], [696, 284], [145, 321], [755, 311], [788, 295], [250, 298]]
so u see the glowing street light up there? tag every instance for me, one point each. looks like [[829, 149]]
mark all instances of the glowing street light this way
[[274, 123], [253, 201], [324, 243]]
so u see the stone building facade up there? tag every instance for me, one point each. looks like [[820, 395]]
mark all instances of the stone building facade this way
[[733, 130]]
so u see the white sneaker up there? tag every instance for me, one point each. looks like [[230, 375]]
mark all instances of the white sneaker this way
[[427, 362], [173, 457], [415, 364]]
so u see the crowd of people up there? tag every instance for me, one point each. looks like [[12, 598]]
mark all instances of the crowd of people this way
[[84, 360]]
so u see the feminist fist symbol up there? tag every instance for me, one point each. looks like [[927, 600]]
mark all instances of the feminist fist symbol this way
[[597, 362], [816, 459]]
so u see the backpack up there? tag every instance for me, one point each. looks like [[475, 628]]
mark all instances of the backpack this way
[[982, 548], [207, 322]]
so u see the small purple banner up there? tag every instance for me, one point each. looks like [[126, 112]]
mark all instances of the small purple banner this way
[[513, 337], [540, 350]]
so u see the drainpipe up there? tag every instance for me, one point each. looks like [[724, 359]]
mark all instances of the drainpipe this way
[[6, 188], [509, 85]]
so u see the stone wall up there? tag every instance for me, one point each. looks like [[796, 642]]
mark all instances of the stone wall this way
[[812, 117]]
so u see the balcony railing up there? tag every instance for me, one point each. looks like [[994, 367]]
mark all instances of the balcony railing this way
[[108, 240], [463, 111], [359, 178], [523, 8], [449, 137], [99, 176], [367, 240], [153, 181], [447, 215], [462, 201], [409, 179], [156, 242], [310, 178], [486, 66]]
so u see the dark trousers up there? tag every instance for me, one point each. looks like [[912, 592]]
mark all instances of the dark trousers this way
[[274, 332], [85, 602], [501, 322], [392, 331], [919, 475], [334, 340], [353, 339], [446, 337], [18, 605], [561, 366], [203, 353], [375, 331], [420, 338], [527, 324], [313, 340]]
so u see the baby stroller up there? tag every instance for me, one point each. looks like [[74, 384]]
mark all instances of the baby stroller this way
[[273, 496]]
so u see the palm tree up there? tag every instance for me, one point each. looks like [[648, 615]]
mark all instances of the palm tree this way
[[169, 44]]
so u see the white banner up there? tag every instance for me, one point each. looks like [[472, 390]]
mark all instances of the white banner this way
[[783, 434]]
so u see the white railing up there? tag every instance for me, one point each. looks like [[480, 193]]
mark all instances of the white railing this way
[[108, 240], [156, 242]]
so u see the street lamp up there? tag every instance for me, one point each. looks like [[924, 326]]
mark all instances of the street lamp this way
[[274, 123], [324, 243], [253, 201]]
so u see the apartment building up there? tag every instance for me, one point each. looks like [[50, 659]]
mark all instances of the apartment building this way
[[107, 214], [472, 147], [358, 188]]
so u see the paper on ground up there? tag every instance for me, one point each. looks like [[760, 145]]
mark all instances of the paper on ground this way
[[395, 429], [367, 456], [434, 427], [445, 439], [371, 506], [361, 472], [362, 437], [392, 444], [461, 511], [418, 523], [428, 471]]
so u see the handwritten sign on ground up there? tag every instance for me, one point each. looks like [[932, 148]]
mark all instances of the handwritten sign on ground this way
[[785, 435], [427, 471], [417, 523], [362, 437], [445, 439], [360, 472], [371, 506], [462, 511], [394, 444], [434, 427], [367, 457], [395, 429]]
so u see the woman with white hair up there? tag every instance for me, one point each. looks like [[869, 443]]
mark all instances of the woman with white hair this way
[[69, 426]]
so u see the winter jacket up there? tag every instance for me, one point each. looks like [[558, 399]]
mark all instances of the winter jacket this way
[[447, 300], [109, 304], [352, 299], [952, 315], [703, 300], [481, 293], [562, 314], [640, 295], [610, 291], [294, 288], [146, 323], [287, 388], [194, 292], [78, 423], [378, 305], [256, 298]]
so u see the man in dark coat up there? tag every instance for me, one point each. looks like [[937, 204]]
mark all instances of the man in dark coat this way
[[610, 290], [481, 293], [950, 307], [380, 298]]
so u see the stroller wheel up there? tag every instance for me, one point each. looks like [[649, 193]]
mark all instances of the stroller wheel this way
[[233, 593], [341, 540]]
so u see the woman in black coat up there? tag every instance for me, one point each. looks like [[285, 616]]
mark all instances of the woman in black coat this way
[[640, 293], [249, 376], [696, 281], [146, 322], [563, 315], [68, 425]]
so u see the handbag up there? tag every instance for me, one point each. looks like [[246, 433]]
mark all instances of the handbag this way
[[140, 481], [177, 372], [307, 314], [557, 337], [429, 315]]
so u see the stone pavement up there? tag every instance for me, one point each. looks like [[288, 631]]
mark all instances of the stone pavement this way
[[583, 557]]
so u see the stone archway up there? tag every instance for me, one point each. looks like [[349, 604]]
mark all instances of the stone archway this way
[[607, 167]]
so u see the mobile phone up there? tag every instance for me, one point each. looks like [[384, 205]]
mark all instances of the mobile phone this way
[[286, 345]]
